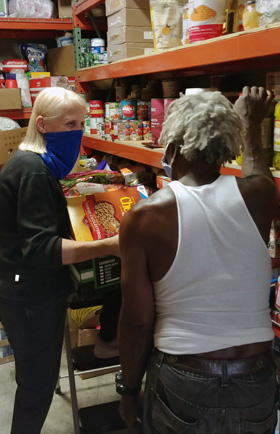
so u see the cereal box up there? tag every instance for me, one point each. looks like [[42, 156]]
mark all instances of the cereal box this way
[[157, 117], [95, 217]]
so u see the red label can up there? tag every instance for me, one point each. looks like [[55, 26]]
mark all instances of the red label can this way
[[96, 108], [129, 109]]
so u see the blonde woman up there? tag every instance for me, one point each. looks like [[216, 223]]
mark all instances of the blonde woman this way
[[35, 249]]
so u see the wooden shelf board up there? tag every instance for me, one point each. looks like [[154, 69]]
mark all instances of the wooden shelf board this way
[[233, 50], [131, 150]]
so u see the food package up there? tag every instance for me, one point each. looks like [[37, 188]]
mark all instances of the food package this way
[[35, 55], [8, 65], [23, 85], [206, 19], [91, 182], [8, 124], [166, 23], [32, 8], [270, 10]]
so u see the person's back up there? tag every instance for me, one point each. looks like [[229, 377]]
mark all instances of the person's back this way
[[166, 273]]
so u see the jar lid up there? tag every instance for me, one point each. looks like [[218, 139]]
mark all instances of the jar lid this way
[[97, 42]]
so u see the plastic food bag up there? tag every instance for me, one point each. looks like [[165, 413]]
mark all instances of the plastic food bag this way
[[32, 8], [166, 23], [270, 10], [8, 124], [23, 85], [35, 54]]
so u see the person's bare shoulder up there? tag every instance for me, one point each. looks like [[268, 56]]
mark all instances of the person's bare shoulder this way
[[260, 193], [150, 213]]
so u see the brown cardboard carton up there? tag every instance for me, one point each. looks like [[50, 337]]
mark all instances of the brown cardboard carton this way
[[129, 49], [65, 9], [124, 34], [113, 6], [61, 61], [10, 99], [130, 17], [9, 142]]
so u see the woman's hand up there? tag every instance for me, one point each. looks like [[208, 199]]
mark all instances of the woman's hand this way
[[252, 106]]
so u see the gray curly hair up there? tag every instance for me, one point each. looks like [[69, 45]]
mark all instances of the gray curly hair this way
[[205, 126]]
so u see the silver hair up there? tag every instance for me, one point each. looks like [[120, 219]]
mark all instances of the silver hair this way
[[205, 126]]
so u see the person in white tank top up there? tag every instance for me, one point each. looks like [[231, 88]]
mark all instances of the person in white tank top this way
[[196, 276]]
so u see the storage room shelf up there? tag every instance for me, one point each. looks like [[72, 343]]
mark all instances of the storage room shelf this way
[[35, 24], [253, 49], [135, 151], [33, 28], [16, 114]]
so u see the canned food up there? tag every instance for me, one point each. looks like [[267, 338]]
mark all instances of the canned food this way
[[113, 111], [114, 129], [147, 134], [142, 110], [136, 130], [96, 125], [107, 129], [128, 109], [127, 130], [96, 108], [121, 126]]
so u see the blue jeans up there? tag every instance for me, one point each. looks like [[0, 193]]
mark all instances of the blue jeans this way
[[182, 402]]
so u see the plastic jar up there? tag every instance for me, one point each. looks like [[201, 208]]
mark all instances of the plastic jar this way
[[97, 45], [250, 16]]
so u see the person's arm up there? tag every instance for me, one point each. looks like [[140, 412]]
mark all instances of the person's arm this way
[[252, 106], [78, 251], [136, 324]]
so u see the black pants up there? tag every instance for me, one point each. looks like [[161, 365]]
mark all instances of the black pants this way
[[110, 315], [35, 333]]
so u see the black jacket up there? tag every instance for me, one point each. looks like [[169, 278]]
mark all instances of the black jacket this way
[[33, 221]]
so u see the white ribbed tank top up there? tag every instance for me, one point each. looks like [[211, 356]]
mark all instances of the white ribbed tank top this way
[[215, 294]]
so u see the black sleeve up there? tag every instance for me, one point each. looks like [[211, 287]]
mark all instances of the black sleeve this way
[[38, 221]]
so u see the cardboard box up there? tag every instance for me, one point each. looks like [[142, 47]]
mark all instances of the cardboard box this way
[[96, 217], [65, 9], [10, 99], [124, 51], [130, 17], [9, 142], [36, 85], [120, 35], [61, 61], [162, 181], [112, 6]]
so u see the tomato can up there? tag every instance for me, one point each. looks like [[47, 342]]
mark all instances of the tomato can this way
[[113, 111], [114, 129], [142, 110], [136, 130], [96, 108], [147, 134], [129, 109], [107, 129]]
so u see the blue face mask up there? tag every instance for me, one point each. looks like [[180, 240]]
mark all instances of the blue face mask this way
[[168, 167], [63, 149]]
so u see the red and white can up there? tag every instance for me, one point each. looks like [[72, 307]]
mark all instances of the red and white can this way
[[96, 108]]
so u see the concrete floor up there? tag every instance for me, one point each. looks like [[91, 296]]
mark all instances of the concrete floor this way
[[91, 391]]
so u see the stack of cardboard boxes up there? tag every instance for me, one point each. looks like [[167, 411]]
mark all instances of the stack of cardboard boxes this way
[[129, 29]]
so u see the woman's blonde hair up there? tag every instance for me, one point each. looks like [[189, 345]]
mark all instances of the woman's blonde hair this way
[[50, 103], [205, 127]]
